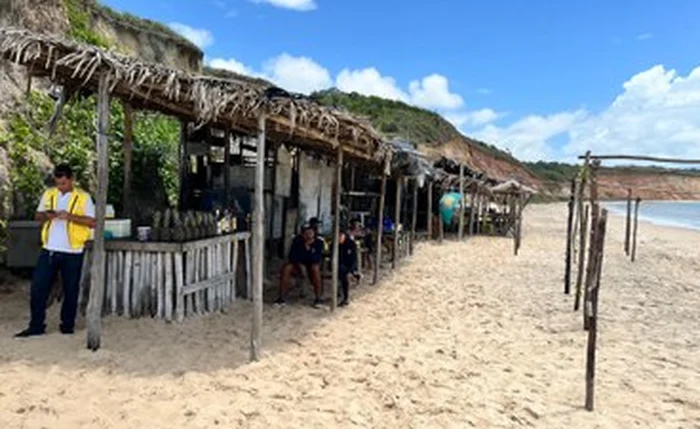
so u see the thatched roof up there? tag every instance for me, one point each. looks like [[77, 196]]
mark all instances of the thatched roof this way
[[234, 103], [408, 161], [512, 187]]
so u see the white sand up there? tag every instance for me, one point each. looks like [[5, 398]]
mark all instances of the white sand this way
[[463, 336]]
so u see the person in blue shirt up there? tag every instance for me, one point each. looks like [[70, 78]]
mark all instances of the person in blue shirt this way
[[306, 253]]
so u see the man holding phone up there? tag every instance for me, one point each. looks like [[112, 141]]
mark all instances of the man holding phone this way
[[67, 215]]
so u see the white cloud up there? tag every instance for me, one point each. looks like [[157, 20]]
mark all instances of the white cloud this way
[[299, 5], [231, 64], [645, 36], [370, 82], [658, 114], [298, 74], [199, 36], [529, 137], [473, 118], [433, 92]]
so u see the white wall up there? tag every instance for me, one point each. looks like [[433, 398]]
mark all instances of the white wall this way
[[316, 176]]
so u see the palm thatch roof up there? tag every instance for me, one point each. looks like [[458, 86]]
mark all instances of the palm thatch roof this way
[[235, 102], [512, 187], [408, 161]]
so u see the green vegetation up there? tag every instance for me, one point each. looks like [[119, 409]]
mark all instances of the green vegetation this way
[[80, 23], [156, 139]]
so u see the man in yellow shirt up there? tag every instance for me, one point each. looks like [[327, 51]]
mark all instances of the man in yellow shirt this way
[[67, 215]]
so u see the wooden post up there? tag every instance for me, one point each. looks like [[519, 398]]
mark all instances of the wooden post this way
[[472, 211], [441, 236], [429, 226], [595, 213], [414, 219], [397, 221], [258, 232], [636, 225], [462, 203], [273, 205], [184, 165], [128, 156], [520, 203], [628, 222], [582, 257], [593, 312], [336, 228], [97, 275], [227, 170], [569, 239], [380, 221]]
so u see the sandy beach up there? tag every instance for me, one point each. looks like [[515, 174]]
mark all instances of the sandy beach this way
[[463, 335]]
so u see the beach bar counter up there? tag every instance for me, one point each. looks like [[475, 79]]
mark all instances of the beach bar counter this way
[[172, 280]]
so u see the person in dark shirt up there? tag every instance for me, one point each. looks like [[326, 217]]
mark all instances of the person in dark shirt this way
[[306, 252], [347, 264]]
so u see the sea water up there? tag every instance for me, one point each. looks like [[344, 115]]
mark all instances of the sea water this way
[[684, 214]]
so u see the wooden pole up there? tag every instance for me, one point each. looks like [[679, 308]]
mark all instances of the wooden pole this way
[[472, 212], [397, 221], [273, 205], [569, 239], [593, 312], [380, 221], [430, 211], [184, 165], [97, 275], [462, 203], [258, 243], [128, 157], [414, 219], [595, 213], [582, 257], [336, 228], [520, 204], [636, 226], [628, 222], [227, 171]]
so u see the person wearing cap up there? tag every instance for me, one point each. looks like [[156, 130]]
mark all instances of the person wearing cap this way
[[306, 253], [67, 215]]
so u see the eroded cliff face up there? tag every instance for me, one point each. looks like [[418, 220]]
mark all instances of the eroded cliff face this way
[[650, 187]]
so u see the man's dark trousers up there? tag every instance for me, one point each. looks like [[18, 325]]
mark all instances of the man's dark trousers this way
[[48, 265]]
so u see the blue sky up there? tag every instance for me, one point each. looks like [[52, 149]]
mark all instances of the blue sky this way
[[544, 79]]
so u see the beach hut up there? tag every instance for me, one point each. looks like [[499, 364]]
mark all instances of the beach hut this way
[[236, 105]]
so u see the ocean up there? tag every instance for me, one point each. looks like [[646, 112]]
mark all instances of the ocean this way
[[684, 214]]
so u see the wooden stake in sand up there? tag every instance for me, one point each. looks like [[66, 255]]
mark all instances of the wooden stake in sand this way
[[258, 243], [97, 276], [429, 217], [581, 258], [595, 213], [628, 222], [569, 239], [462, 203], [397, 221], [336, 228], [414, 217], [380, 221], [636, 226], [599, 247]]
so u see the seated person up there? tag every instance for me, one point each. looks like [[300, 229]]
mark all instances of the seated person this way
[[347, 265], [362, 235], [306, 252]]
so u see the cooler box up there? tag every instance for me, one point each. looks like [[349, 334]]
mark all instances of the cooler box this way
[[120, 228]]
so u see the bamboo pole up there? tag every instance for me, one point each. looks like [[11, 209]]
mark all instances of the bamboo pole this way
[[636, 226], [380, 222], [258, 243], [462, 203], [628, 222], [569, 239], [397, 222], [430, 211], [97, 277], [582, 257], [414, 219], [593, 312], [336, 228]]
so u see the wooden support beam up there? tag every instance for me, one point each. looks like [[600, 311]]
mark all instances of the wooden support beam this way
[[183, 165], [273, 204], [520, 206], [462, 201], [429, 217], [380, 220], [227, 171], [258, 231], [599, 247], [128, 157], [97, 275], [569, 239], [336, 228], [582, 258], [472, 212], [414, 217], [641, 158], [636, 227], [628, 222], [397, 222]]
